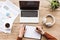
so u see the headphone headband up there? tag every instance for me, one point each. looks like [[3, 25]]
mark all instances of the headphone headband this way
[[49, 23]]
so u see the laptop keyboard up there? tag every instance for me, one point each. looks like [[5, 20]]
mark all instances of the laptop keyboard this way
[[29, 13]]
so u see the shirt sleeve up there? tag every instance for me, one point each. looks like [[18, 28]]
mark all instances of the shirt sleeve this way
[[19, 38], [49, 37]]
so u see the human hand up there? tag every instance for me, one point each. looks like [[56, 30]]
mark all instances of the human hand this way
[[39, 29], [22, 30]]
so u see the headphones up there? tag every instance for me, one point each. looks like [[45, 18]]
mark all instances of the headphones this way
[[49, 24]]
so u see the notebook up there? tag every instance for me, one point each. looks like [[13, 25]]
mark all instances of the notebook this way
[[31, 33]]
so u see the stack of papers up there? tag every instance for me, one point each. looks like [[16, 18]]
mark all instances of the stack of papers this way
[[8, 13]]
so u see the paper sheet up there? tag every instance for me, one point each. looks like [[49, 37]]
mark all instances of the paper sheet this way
[[31, 32], [8, 12]]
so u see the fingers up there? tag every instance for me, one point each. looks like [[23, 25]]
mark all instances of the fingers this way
[[39, 29], [22, 30]]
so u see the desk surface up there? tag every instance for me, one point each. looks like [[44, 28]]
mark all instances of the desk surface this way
[[44, 9]]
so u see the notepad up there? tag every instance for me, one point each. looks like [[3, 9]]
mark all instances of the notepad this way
[[31, 33]]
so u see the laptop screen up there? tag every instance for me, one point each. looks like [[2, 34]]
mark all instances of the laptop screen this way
[[29, 5], [29, 13]]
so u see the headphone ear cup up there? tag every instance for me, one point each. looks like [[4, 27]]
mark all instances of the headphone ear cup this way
[[44, 20], [48, 24]]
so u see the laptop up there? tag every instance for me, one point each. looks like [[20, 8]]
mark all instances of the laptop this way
[[29, 11]]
